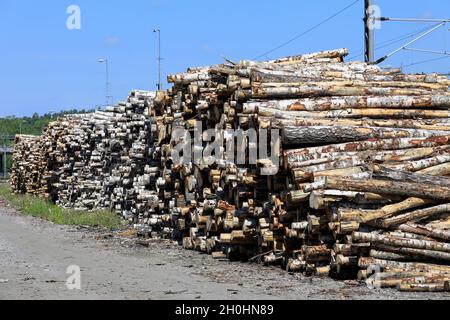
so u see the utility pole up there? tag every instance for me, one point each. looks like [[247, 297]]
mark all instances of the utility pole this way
[[105, 61], [368, 31], [158, 31], [4, 158]]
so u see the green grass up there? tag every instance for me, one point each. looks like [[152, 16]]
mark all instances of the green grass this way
[[36, 207]]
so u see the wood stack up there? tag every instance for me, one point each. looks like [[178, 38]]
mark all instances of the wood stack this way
[[353, 138], [94, 161], [360, 185], [27, 167]]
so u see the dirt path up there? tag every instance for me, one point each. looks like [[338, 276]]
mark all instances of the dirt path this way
[[35, 254]]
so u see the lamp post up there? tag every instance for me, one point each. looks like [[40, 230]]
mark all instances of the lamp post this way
[[158, 31], [105, 61]]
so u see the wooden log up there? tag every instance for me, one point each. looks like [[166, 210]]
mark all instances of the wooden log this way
[[305, 173], [424, 287], [346, 88], [366, 262], [414, 254], [338, 72], [366, 216], [427, 283], [416, 215], [389, 187], [440, 169], [398, 175], [384, 255], [401, 242], [420, 164], [293, 135], [355, 113], [353, 249], [425, 230], [384, 156], [425, 124], [352, 102], [337, 53], [357, 85], [298, 155]]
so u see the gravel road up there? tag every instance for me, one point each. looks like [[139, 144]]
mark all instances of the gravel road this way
[[35, 254]]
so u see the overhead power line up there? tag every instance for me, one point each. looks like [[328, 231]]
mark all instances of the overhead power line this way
[[445, 53], [434, 28], [425, 61], [390, 42], [308, 30]]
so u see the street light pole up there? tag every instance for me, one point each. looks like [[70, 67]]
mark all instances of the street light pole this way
[[105, 61], [159, 57]]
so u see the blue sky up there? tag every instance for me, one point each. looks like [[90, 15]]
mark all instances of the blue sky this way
[[46, 67]]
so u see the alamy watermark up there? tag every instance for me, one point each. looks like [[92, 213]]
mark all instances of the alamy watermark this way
[[373, 277], [374, 13], [73, 22], [73, 282], [222, 147]]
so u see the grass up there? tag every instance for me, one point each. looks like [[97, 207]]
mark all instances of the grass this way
[[40, 208]]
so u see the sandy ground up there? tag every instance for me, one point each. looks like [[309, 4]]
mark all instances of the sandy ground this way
[[35, 254]]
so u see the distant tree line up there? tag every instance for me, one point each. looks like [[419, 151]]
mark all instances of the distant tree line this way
[[34, 125]]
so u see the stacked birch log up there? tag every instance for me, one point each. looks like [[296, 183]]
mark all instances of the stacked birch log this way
[[365, 155], [94, 161], [360, 184], [28, 164]]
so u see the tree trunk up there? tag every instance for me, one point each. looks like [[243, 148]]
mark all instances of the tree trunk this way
[[352, 102], [294, 136], [416, 215], [354, 113], [396, 175], [366, 262], [425, 231], [425, 124], [390, 187], [414, 254], [424, 287], [401, 242], [367, 216], [303, 154]]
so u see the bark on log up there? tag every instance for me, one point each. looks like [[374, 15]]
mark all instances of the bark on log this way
[[421, 164], [352, 102], [388, 187], [384, 255], [367, 216], [354, 113], [401, 242], [298, 155], [414, 254], [425, 124], [424, 287], [396, 175], [416, 215], [366, 262], [294, 136], [425, 231]]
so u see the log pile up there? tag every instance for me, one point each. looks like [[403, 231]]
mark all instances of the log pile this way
[[93, 161], [353, 179], [361, 146], [28, 164]]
